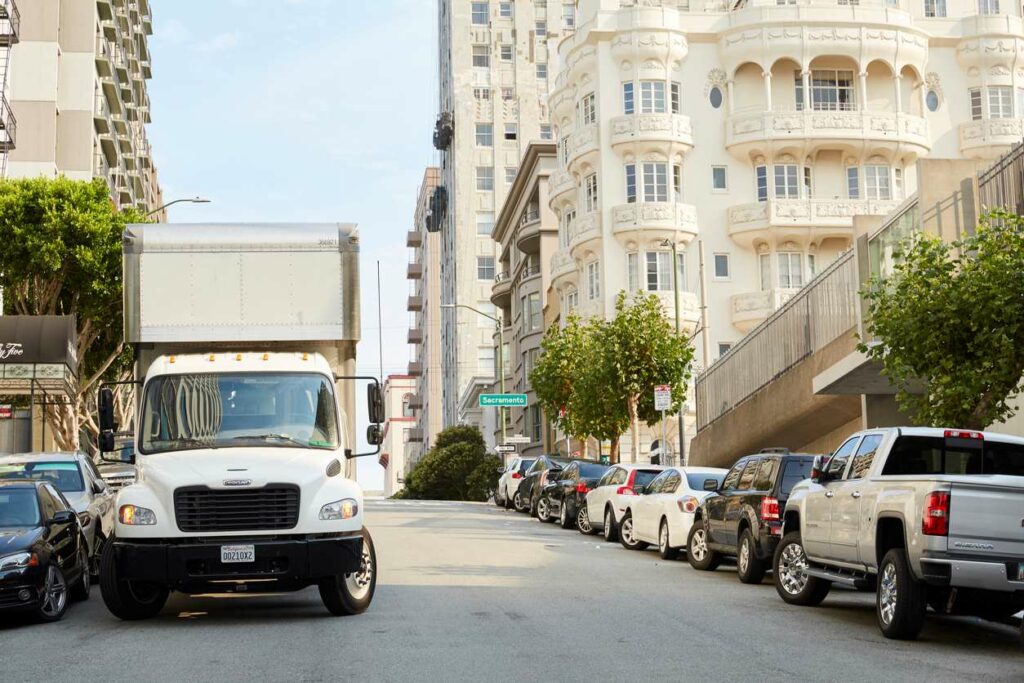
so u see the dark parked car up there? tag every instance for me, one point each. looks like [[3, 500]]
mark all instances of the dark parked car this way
[[536, 477], [743, 518], [44, 559], [564, 497]]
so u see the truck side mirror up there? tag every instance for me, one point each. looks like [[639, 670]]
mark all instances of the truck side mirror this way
[[374, 435], [818, 468], [106, 442], [106, 409], [375, 404]]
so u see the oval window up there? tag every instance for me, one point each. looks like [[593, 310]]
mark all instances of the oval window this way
[[716, 97], [932, 100]]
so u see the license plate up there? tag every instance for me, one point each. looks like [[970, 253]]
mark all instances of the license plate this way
[[237, 553], [1020, 571]]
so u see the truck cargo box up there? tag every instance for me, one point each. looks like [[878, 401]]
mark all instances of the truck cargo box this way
[[237, 283]]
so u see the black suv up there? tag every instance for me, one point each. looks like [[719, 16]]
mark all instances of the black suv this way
[[743, 518], [565, 494], [534, 480]]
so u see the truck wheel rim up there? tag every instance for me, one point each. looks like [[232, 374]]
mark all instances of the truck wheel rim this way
[[358, 583], [627, 530], [583, 520], [699, 547], [887, 594], [744, 560], [793, 568], [55, 593]]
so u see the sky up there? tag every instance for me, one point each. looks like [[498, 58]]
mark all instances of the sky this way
[[303, 111]]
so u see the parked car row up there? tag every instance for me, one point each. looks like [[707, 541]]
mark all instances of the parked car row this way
[[921, 517], [56, 513]]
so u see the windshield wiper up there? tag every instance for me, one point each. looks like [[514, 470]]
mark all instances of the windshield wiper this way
[[270, 437]]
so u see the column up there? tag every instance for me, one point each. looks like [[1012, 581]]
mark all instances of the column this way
[[728, 92], [805, 80], [767, 90], [897, 82], [862, 96]]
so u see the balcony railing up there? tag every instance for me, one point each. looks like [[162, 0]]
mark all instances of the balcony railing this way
[[1002, 185], [8, 126], [818, 314], [10, 22]]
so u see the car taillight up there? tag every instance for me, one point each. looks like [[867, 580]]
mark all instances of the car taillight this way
[[625, 491], [688, 504], [516, 475], [769, 509], [581, 487], [935, 518], [963, 434]]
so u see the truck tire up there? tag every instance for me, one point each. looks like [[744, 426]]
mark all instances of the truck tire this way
[[128, 600], [900, 600], [698, 554], [348, 594], [749, 567], [792, 583]]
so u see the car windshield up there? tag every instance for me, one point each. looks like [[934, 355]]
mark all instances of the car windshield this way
[[644, 477], [796, 471], [592, 470], [286, 410], [18, 508], [64, 475]]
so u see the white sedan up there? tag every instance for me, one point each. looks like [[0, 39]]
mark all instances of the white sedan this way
[[663, 512]]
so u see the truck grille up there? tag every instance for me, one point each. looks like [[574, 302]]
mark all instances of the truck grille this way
[[201, 509]]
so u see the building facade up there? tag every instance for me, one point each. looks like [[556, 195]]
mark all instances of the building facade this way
[[10, 28], [78, 90], [756, 132], [494, 70], [399, 422], [424, 306]]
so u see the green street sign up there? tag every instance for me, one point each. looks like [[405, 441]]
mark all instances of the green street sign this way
[[502, 400], [606, 459]]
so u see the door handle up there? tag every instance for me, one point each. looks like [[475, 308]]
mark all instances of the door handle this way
[[829, 494], [855, 494]]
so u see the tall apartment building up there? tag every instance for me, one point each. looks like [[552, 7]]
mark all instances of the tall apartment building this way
[[760, 128], [494, 75], [10, 26], [424, 305], [78, 90]]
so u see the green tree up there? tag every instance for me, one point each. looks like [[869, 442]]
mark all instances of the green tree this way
[[61, 255], [556, 373], [458, 467], [950, 324]]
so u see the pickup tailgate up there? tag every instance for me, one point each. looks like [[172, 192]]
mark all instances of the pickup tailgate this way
[[987, 518]]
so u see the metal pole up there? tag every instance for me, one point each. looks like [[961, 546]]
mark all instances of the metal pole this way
[[664, 439], [682, 404], [501, 375], [705, 335], [380, 326]]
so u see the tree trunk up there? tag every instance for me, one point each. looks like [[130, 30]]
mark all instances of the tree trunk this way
[[634, 427], [613, 453]]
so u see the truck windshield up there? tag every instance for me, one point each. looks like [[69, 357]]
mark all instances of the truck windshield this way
[[286, 410]]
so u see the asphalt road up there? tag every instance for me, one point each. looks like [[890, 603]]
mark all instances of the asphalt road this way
[[468, 592]]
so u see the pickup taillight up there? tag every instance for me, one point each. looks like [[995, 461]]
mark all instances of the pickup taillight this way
[[935, 518], [769, 509]]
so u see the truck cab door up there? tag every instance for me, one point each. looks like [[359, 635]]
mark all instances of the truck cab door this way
[[818, 504], [847, 514]]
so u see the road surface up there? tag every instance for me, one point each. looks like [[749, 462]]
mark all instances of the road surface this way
[[469, 592]]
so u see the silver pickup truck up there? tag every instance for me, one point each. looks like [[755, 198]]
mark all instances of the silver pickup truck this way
[[922, 516]]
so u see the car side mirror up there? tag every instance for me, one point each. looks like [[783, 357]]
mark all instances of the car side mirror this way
[[99, 486], [375, 405], [63, 517], [710, 484], [818, 469]]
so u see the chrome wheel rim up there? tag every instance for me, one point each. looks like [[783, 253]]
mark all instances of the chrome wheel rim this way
[[583, 520], [626, 531], [542, 508], [793, 568], [699, 545], [55, 593], [663, 538], [744, 559], [887, 594], [358, 583]]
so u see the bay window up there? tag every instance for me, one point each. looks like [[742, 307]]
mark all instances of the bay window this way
[[761, 173], [791, 274], [852, 183], [655, 182], [627, 98], [786, 186], [832, 90], [1000, 102], [631, 183], [565, 227], [590, 193], [976, 112], [877, 182], [593, 280], [588, 109], [652, 97], [765, 266], [677, 182], [652, 271]]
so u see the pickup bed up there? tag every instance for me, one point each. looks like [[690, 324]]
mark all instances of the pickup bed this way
[[922, 516]]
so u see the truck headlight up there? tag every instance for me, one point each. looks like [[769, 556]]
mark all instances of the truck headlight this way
[[346, 508], [133, 515], [18, 561]]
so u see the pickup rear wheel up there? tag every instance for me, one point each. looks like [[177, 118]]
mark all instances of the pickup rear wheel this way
[[128, 600], [749, 567], [348, 594], [698, 553], [792, 582], [900, 600]]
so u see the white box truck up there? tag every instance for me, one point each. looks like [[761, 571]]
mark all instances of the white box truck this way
[[245, 343]]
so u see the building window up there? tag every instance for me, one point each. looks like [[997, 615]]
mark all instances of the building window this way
[[505, 10], [590, 193], [812, 269], [572, 301], [588, 109], [511, 131], [568, 218], [832, 90], [719, 178], [484, 135], [897, 183], [545, 131], [931, 100], [764, 262], [593, 280], [531, 313], [484, 178], [807, 181], [484, 267], [976, 112], [485, 359], [485, 223], [510, 174], [791, 274], [657, 272], [630, 183], [786, 186], [721, 266], [483, 94], [715, 97], [563, 150], [677, 182], [798, 85], [761, 174], [876, 182], [568, 15], [723, 348], [1000, 102], [627, 98], [542, 29], [508, 94], [935, 8], [655, 182], [676, 94], [407, 410], [481, 56], [652, 97], [542, 71], [506, 53], [852, 183], [481, 13], [534, 428], [988, 6]]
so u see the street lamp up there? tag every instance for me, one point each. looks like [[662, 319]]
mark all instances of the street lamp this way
[[501, 357], [675, 292], [190, 200]]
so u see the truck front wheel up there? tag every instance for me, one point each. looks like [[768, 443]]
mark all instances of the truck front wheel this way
[[900, 599], [348, 594], [128, 600], [792, 582]]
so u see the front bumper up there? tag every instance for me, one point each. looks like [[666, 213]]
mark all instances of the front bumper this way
[[293, 560], [12, 583], [991, 575]]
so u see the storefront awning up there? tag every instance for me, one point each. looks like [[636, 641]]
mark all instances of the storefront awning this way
[[38, 354]]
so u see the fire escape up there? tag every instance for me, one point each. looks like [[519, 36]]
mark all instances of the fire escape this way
[[10, 23]]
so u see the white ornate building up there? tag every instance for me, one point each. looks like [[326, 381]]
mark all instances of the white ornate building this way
[[759, 128]]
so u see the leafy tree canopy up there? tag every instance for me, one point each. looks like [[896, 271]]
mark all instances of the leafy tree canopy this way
[[458, 467]]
